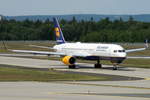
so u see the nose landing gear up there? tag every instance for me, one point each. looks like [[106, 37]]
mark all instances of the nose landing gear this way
[[98, 65], [115, 67], [115, 63]]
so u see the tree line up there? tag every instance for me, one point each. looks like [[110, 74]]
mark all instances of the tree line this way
[[104, 30]]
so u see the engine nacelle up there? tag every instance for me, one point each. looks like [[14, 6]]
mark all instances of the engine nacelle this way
[[68, 60]]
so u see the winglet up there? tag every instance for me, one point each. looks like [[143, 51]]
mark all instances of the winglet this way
[[58, 33], [5, 47], [146, 43]]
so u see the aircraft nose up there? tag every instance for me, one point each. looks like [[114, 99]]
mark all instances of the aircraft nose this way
[[123, 55]]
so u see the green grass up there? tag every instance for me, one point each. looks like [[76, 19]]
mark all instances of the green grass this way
[[140, 63], [19, 74]]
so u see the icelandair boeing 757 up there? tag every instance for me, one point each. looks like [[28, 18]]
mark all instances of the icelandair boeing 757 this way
[[88, 51]]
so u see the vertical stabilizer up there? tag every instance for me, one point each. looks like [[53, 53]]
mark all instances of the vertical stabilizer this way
[[58, 33]]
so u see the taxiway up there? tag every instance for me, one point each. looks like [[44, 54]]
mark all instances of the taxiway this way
[[71, 90]]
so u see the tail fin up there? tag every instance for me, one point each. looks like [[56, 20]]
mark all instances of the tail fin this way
[[58, 33]]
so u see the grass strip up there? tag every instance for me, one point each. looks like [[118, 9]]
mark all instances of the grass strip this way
[[21, 74]]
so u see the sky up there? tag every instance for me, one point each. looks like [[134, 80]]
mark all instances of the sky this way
[[63, 7]]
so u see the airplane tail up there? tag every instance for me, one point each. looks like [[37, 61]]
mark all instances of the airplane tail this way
[[58, 33]]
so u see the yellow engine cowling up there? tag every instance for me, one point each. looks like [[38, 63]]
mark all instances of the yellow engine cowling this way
[[68, 60]]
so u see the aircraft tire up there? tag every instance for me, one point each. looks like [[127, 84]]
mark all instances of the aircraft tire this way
[[114, 68], [98, 65], [72, 66]]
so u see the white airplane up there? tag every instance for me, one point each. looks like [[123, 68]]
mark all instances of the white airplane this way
[[88, 51]]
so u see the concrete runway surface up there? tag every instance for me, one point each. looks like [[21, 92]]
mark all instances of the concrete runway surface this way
[[88, 90]]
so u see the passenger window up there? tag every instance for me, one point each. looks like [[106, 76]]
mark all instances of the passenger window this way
[[115, 51]]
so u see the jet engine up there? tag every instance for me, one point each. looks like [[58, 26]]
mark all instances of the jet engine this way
[[68, 60]]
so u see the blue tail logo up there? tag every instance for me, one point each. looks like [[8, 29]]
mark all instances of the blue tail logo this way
[[58, 33]]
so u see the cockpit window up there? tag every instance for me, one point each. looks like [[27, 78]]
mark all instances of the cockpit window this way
[[121, 50]]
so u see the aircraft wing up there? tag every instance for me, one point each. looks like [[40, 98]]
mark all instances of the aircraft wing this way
[[135, 50], [44, 47], [79, 54], [38, 52], [139, 49]]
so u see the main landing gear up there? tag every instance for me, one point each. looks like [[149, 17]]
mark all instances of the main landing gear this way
[[72, 66], [98, 65]]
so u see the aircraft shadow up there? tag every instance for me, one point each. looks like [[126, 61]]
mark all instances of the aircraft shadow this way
[[120, 68]]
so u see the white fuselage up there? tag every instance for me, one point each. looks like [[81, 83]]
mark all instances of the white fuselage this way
[[91, 49]]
